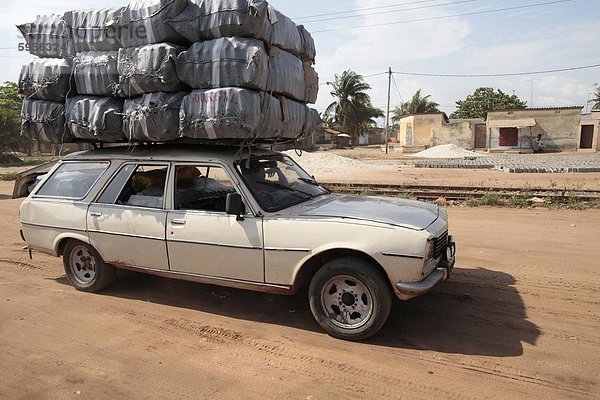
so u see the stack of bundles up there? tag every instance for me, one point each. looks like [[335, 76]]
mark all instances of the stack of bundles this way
[[243, 62], [95, 118], [46, 82], [132, 69], [154, 117]]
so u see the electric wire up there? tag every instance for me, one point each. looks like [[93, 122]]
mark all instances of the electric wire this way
[[444, 16]]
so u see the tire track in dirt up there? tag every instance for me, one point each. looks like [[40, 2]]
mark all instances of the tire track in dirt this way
[[320, 368]]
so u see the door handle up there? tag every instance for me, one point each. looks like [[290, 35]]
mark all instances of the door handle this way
[[176, 221], [96, 214]]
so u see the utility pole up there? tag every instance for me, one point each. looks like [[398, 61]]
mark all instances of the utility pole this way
[[387, 114]]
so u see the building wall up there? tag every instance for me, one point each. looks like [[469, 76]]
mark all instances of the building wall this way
[[460, 133], [406, 131], [559, 127]]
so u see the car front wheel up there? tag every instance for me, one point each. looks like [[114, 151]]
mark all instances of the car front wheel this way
[[85, 268], [350, 298]]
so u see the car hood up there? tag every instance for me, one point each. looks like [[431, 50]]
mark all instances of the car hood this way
[[409, 214]]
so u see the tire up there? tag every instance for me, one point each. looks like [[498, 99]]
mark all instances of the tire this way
[[84, 267], [350, 298]]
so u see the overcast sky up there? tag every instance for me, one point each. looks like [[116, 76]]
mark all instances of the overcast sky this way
[[546, 37]]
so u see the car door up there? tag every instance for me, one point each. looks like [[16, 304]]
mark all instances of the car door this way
[[127, 223], [201, 238]]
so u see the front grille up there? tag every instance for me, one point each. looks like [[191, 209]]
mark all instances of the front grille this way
[[441, 243]]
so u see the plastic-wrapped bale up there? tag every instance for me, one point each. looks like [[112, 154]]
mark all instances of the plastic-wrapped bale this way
[[143, 22], [47, 79], [148, 69], [237, 114], [243, 62], [46, 119], [48, 37], [154, 117], [95, 118], [96, 73], [224, 62], [311, 81], [212, 19], [95, 30]]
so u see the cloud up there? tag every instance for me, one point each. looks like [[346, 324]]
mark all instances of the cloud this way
[[370, 50]]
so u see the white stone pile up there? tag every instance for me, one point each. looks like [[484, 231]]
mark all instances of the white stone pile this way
[[166, 70]]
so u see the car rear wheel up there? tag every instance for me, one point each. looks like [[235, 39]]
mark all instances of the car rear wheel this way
[[350, 298], [85, 268]]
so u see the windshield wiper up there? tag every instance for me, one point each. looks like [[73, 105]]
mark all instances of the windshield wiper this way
[[305, 196], [309, 180]]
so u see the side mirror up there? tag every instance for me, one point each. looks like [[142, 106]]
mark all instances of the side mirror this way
[[234, 205]]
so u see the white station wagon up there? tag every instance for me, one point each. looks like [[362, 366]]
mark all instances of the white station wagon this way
[[250, 219]]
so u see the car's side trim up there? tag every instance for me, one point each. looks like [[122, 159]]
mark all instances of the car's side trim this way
[[53, 227], [126, 234], [211, 280], [232, 246], [287, 249], [390, 254]]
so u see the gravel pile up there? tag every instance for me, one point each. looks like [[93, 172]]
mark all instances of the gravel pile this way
[[446, 151], [522, 163], [325, 163]]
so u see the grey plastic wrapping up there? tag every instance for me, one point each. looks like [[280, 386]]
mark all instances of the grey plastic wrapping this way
[[235, 113], [47, 79], [95, 30], [48, 37], [153, 117], [243, 62], [212, 19], [149, 69], [95, 118], [224, 62], [46, 119], [96, 73], [143, 22]]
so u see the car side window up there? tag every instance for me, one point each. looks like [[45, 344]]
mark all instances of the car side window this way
[[137, 185], [201, 188], [73, 180]]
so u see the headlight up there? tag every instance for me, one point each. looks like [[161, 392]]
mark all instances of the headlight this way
[[430, 250]]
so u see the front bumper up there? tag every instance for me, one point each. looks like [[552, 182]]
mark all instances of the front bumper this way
[[409, 290]]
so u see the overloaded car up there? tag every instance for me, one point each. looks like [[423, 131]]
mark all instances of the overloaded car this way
[[250, 219]]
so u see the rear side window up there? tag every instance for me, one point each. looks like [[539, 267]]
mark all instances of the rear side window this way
[[73, 180], [137, 185]]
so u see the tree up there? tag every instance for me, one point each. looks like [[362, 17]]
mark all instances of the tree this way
[[352, 111], [486, 99], [417, 105], [596, 100], [10, 119]]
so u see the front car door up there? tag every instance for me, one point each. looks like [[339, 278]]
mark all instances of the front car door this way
[[127, 223], [201, 238]]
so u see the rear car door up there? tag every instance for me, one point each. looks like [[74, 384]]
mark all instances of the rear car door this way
[[126, 224], [201, 238]]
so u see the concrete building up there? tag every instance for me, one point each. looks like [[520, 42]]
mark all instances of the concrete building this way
[[432, 129], [589, 132], [517, 129]]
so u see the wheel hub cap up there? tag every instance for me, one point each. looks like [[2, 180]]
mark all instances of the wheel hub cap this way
[[347, 301]]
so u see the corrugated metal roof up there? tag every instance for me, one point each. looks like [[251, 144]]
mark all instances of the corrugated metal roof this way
[[511, 123], [539, 109]]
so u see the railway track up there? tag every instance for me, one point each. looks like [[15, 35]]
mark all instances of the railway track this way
[[459, 193]]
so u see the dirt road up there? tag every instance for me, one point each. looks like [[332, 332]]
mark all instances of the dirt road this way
[[519, 319]]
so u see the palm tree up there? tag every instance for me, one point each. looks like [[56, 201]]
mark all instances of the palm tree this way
[[416, 105], [352, 111], [596, 100]]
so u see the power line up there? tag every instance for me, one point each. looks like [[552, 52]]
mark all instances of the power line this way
[[392, 11], [445, 16], [364, 9], [548, 71], [397, 90]]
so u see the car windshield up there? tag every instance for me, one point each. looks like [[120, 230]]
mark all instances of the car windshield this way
[[277, 182]]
